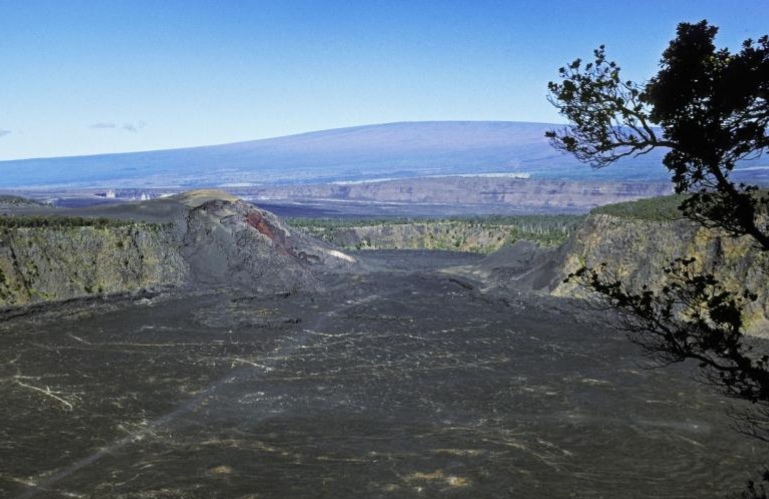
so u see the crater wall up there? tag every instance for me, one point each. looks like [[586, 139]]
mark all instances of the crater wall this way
[[637, 250], [55, 263]]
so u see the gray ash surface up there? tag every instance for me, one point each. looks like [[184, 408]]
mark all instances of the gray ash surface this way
[[395, 382]]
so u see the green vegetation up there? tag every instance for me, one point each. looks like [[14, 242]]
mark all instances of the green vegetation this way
[[26, 222], [9, 199], [476, 234], [709, 108], [661, 209], [53, 257], [491, 220]]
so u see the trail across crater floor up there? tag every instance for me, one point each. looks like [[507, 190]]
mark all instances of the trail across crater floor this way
[[401, 381]]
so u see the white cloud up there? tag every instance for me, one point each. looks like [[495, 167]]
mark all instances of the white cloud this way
[[134, 127], [109, 125], [102, 125], [3, 133]]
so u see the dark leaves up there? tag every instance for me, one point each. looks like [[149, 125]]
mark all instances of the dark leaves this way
[[711, 105], [691, 317]]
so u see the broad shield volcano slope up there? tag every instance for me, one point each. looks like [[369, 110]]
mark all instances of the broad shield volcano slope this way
[[395, 150]]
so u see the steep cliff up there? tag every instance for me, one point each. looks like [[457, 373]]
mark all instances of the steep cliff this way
[[529, 195], [477, 235], [71, 260], [637, 249], [202, 238], [436, 235]]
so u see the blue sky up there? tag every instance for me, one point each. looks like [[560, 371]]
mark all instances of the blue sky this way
[[100, 76]]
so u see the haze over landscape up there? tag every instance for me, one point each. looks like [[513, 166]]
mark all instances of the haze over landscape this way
[[322, 248], [93, 78], [391, 151]]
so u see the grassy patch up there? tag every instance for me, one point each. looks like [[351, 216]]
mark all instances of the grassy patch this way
[[58, 222], [479, 234], [664, 208], [11, 200]]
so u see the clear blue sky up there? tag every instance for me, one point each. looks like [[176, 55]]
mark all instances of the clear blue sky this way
[[88, 76]]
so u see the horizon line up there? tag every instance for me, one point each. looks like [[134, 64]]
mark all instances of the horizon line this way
[[291, 135]]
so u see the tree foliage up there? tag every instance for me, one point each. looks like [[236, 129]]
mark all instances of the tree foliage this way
[[659, 209], [709, 109], [34, 221]]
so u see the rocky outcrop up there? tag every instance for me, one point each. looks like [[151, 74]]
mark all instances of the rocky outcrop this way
[[466, 235], [61, 262], [636, 251], [436, 235], [522, 267], [227, 241], [203, 238]]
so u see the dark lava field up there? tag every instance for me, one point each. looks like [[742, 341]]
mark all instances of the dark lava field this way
[[401, 381]]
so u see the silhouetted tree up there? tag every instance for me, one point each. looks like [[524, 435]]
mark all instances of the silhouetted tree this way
[[709, 108]]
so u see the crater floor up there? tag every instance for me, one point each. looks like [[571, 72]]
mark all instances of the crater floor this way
[[394, 383]]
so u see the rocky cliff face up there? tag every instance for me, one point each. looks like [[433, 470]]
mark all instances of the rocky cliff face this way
[[466, 235], [227, 241], [524, 194], [450, 236], [54, 263], [201, 238], [637, 250]]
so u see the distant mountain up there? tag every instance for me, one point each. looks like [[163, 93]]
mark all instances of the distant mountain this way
[[395, 150]]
